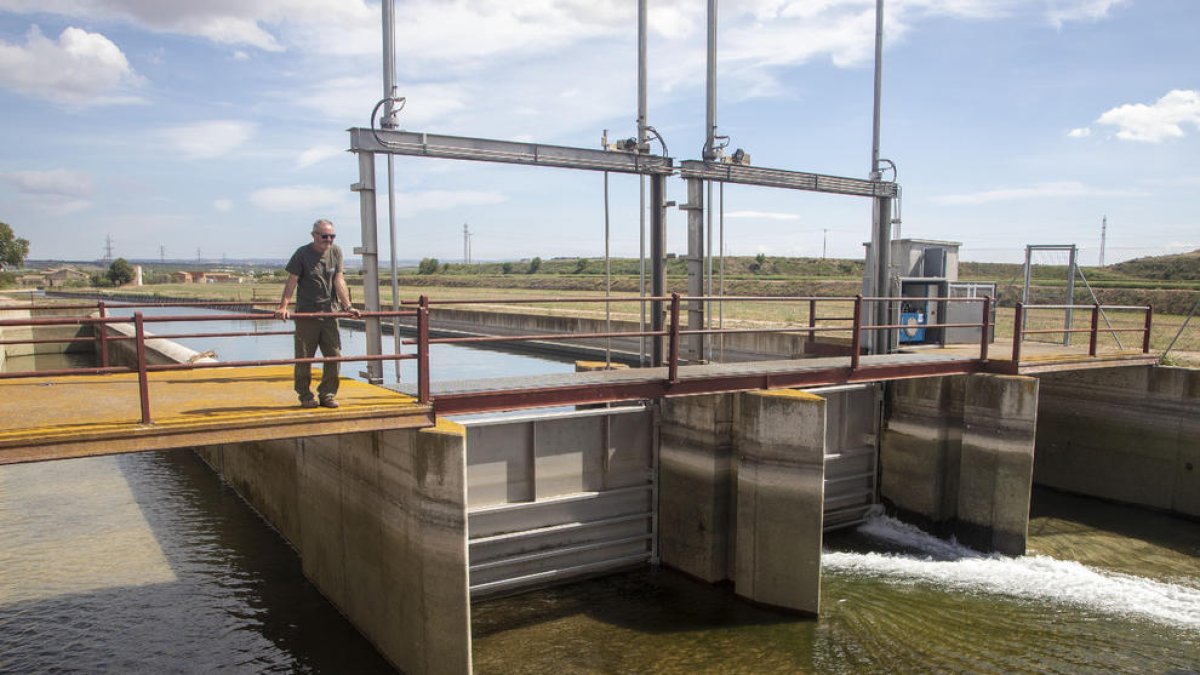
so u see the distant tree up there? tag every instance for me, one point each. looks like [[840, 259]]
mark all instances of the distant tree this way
[[120, 272], [427, 266], [759, 261], [445, 267], [581, 265], [506, 268], [534, 265], [13, 249]]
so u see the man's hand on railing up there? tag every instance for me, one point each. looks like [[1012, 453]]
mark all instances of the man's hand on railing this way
[[282, 314], [354, 312]]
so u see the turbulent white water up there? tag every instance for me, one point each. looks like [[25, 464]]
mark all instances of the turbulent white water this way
[[951, 565]]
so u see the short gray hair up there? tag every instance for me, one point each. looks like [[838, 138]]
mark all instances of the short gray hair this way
[[320, 222]]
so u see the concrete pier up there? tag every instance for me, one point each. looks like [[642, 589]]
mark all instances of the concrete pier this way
[[780, 441], [379, 521], [742, 491], [957, 457], [696, 474]]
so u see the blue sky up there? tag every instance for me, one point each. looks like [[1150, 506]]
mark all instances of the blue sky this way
[[219, 128]]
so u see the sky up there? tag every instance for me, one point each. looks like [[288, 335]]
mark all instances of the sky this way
[[203, 130]]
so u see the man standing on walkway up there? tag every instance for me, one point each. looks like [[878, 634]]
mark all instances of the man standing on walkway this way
[[315, 275]]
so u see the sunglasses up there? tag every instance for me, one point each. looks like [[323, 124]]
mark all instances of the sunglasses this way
[[327, 237]]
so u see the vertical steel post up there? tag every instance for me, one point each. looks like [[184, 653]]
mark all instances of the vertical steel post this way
[[695, 268], [986, 337], [1146, 334], [1095, 328], [812, 323], [658, 258], [882, 244], [1018, 334], [370, 261], [856, 336], [642, 20], [710, 108], [423, 350], [673, 364], [143, 383], [101, 329], [642, 77], [878, 90], [1069, 320]]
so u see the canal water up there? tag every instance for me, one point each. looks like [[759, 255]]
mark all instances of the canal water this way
[[148, 563]]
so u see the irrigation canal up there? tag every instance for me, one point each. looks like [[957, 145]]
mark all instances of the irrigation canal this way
[[147, 563]]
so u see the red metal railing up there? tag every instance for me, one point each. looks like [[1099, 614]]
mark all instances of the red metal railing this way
[[98, 325], [421, 309], [1094, 331]]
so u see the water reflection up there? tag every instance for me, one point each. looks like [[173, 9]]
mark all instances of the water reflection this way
[[179, 576]]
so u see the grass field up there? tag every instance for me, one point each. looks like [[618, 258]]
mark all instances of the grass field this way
[[735, 313]]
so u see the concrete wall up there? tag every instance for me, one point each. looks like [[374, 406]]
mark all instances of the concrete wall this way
[[158, 351], [738, 346], [741, 490], [957, 457], [10, 309], [379, 520], [1128, 434]]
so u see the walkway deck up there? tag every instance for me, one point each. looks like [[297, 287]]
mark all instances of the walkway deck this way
[[60, 417], [482, 395]]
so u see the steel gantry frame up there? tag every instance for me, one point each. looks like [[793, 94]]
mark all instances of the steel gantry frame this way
[[367, 143]]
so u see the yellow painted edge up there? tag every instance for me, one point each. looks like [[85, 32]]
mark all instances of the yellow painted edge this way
[[789, 393], [446, 427]]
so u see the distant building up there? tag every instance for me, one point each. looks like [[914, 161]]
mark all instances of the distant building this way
[[63, 276], [181, 277], [222, 278]]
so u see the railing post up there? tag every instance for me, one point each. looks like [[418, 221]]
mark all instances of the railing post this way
[[812, 321], [422, 350], [987, 319], [1146, 334], [102, 334], [673, 342], [1018, 334], [143, 384], [1095, 326], [856, 336]]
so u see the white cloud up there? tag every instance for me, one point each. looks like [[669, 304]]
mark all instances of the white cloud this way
[[1061, 11], [56, 192], [321, 26], [223, 204], [55, 182], [1055, 190], [317, 154], [79, 69], [763, 215], [1081, 132], [299, 198], [1158, 121], [208, 140]]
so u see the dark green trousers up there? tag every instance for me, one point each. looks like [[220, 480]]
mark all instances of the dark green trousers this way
[[311, 334]]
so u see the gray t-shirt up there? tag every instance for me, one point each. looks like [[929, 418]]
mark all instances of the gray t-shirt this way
[[314, 291]]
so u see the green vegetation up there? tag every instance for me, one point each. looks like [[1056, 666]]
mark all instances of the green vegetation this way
[[13, 249], [120, 272], [1185, 266]]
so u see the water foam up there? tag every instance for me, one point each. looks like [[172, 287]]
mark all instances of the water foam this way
[[951, 565]]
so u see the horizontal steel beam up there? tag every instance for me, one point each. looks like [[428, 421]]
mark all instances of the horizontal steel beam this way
[[512, 399], [780, 178], [507, 152]]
